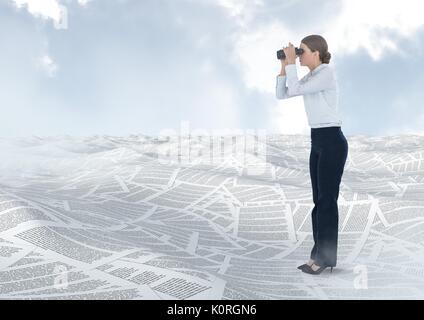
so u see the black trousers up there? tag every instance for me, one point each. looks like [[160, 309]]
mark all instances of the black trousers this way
[[329, 149]]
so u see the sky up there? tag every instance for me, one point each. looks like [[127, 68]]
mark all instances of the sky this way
[[121, 67]]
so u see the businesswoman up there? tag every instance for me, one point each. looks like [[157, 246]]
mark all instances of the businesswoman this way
[[329, 147]]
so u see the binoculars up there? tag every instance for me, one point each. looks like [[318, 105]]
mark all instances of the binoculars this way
[[281, 55]]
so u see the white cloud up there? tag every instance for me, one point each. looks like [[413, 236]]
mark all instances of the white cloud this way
[[366, 24], [83, 2], [289, 117], [48, 9], [405, 124], [41, 8], [257, 52], [254, 30], [359, 24], [239, 7], [241, 11], [47, 64]]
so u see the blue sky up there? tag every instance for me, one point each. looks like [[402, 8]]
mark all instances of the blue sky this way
[[122, 67]]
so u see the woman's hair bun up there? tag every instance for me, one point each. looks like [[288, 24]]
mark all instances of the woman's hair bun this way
[[326, 58]]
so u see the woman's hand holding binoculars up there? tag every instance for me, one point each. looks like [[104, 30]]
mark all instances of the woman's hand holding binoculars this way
[[290, 54]]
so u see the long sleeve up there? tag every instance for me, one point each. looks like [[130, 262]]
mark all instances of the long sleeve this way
[[319, 89], [321, 81], [280, 88]]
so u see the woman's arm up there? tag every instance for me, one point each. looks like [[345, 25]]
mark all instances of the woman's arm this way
[[283, 67], [280, 88], [322, 80]]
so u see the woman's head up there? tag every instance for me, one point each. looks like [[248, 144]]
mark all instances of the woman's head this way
[[315, 51]]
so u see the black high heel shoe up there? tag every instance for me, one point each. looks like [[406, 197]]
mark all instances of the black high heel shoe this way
[[301, 267], [305, 265], [308, 269]]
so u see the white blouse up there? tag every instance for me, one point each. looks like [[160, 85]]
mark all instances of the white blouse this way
[[320, 94]]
